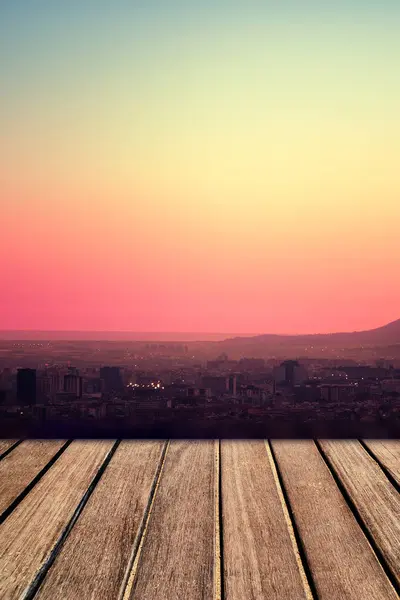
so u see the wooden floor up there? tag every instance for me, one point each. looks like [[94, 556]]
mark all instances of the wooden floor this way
[[199, 520]]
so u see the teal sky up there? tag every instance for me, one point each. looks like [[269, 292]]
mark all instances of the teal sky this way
[[45, 43]]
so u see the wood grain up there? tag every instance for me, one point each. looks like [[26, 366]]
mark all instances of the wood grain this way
[[376, 500], [388, 453], [28, 535], [21, 466], [341, 560], [5, 445], [177, 556], [94, 559], [259, 555]]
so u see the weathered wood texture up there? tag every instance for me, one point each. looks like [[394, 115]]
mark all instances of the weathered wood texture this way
[[22, 465], [341, 560], [94, 559], [374, 497], [260, 557], [388, 453], [177, 557], [28, 535], [150, 528], [5, 445]]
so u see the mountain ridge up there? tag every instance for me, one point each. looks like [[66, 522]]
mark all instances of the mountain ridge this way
[[393, 328]]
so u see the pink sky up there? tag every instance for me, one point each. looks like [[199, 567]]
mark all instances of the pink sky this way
[[68, 268]]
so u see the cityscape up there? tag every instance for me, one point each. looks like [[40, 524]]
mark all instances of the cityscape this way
[[190, 390]]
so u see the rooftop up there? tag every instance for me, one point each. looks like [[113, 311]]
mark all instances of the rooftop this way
[[199, 520]]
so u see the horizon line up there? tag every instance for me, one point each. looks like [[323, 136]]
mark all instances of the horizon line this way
[[166, 332]]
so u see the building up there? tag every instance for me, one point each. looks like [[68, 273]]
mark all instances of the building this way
[[26, 386], [222, 363], [384, 364], [251, 364], [232, 385], [48, 384], [218, 385], [290, 373], [365, 372], [73, 385], [390, 385], [93, 385], [112, 379], [307, 392], [176, 390], [253, 394], [6, 379], [73, 371], [337, 393]]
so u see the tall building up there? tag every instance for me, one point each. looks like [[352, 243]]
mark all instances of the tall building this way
[[73, 371], [93, 385], [73, 385], [112, 379], [6, 379], [232, 384], [26, 386], [290, 373], [48, 384]]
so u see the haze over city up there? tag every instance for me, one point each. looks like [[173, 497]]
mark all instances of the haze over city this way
[[199, 167]]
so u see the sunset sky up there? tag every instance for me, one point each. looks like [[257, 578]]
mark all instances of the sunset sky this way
[[225, 165]]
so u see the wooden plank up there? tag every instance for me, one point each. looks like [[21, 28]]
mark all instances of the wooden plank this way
[[261, 558], [5, 445], [29, 534], [94, 559], [176, 558], [20, 467], [341, 560], [374, 497], [388, 454]]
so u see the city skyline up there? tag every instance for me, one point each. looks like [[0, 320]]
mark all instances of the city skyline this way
[[199, 168]]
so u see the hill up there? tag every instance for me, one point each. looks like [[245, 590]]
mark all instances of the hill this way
[[387, 335]]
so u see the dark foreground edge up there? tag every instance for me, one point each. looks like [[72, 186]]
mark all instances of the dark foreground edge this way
[[277, 429]]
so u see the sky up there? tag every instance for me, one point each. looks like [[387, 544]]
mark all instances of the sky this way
[[220, 165]]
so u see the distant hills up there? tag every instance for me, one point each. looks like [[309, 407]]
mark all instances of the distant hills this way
[[389, 333], [386, 335]]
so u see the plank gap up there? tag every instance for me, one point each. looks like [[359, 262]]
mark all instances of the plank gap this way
[[219, 589], [128, 583], [386, 471], [10, 449], [298, 546], [38, 580], [357, 516], [6, 512]]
